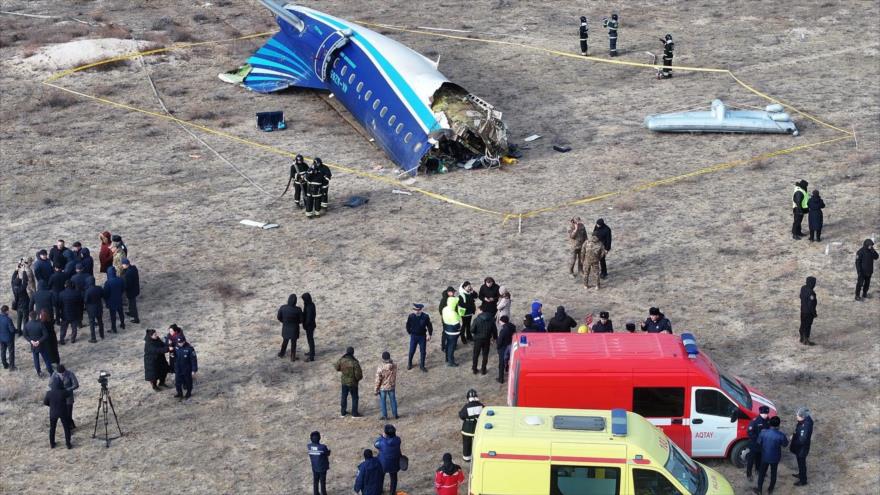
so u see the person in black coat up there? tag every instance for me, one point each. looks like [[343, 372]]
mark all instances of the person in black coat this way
[[155, 366], [114, 289], [52, 342], [561, 322], [93, 301], [604, 325], [308, 323], [502, 345], [37, 338], [79, 279], [603, 232], [419, 328], [800, 443], [584, 34], [656, 322], [489, 294], [865, 258], [21, 301], [808, 310], [814, 207], [56, 398], [71, 311], [56, 254], [484, 331], [290, 317], [56, 285], [132, 288]]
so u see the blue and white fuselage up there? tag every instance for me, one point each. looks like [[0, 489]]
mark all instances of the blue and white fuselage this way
[[386, 86]]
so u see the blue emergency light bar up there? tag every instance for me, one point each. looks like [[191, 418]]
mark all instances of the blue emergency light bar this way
[[618, 422], [523, 342], [690, 345]]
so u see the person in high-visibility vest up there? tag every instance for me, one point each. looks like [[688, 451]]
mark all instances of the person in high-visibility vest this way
[[799, 207], [451, 315]]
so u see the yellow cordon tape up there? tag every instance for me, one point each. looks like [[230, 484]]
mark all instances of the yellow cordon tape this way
[[505, 215]]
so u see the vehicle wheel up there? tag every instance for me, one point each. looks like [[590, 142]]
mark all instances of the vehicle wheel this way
[[738, 453]]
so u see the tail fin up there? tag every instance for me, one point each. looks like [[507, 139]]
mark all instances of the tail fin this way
[[277, 66]]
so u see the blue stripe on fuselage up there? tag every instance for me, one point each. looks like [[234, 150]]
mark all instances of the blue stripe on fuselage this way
[[418, 106]]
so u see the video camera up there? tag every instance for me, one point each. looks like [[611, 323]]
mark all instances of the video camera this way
[[102, 378]]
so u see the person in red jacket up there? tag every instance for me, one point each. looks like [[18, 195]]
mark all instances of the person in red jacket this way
[[448, 478], [105, 257]]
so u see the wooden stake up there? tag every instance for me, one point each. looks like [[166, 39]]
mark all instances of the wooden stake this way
[[854, 137], [519, 227]]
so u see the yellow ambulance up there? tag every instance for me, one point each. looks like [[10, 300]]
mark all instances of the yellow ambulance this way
[[536, 451]]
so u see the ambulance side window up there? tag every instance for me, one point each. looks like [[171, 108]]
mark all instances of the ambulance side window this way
[[658, 402], [578, 480], [647, 482], [714, 403]]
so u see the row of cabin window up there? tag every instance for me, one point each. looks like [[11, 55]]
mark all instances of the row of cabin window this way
[[360, 86]]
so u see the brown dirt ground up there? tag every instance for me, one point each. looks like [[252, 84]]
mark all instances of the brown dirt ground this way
[[713, 252]]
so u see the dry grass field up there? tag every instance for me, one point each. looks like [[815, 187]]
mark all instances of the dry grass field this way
[[713, 251]]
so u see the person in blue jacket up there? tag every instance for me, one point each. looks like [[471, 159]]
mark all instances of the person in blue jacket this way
[[771, 442], [319, 456], [537, 316], [113, 289], [42, 267], [370, 476], [800, 443], [7, 338], [132, 288], [87, 262], [389, 455]]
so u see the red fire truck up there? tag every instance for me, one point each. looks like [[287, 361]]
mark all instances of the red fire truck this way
[[663, 377]]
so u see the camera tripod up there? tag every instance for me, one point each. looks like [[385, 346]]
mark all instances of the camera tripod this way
[[103, 401]]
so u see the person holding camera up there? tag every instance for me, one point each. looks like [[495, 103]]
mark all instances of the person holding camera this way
[[186, 366]]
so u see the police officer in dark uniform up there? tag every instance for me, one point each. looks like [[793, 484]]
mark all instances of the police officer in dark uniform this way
[[469, 415], [756, 426], [800, 443], [297, 176], [612, 24], [325, 184], [314, 182], [584, 34], [185, 366], [668, 47]]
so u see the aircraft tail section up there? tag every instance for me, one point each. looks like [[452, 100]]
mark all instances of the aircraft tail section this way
[[276, 66]]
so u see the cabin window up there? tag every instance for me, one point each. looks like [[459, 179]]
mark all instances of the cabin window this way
[[714, 403], [344, 70], [335, 62], [392, 119], [417, 147], [649, 481], [576, 480], [359, 87], [659, 402], [399, 128], [351, 79], [376, 103], [368, 94], [407, 138], [383, 112]]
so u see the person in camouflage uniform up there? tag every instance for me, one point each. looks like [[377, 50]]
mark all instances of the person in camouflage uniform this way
[[351, 374], [577, 235], [592, 253]]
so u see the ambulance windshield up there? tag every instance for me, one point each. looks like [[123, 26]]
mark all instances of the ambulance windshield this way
[[736, 390], [686, 471]]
